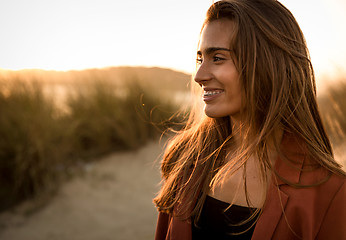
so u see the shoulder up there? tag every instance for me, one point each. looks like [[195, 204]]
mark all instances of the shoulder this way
[[314, 195], [170, 227], [304, 180], [335, 185], [316, 190], [311, 212], [334, 218], [296, 165]]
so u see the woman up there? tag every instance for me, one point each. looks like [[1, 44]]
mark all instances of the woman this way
[[258, 164]]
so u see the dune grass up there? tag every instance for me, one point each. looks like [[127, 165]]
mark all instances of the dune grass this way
[[29, 143], [333, 108], [40, 143], [104, 117]]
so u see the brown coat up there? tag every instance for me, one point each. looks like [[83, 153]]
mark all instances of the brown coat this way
[[289, 213]]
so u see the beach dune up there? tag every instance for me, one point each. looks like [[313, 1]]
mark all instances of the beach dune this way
[[111, 199]]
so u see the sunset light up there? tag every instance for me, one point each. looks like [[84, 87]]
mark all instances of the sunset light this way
[[65, 35], [125, 120]]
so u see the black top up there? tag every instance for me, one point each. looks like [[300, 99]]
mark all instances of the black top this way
[[216, 223]]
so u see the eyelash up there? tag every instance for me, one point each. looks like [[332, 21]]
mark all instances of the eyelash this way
[[199, 60]]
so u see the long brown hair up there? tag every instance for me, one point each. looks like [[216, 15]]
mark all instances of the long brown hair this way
[[276, 74]]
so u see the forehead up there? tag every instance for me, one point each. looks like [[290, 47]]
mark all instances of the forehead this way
[[217, 33]]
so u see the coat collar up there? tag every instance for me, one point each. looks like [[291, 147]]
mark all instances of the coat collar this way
[[287, 169], [290, 161]]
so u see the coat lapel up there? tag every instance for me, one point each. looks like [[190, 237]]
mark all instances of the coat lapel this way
[[285, 171], [271, 215]]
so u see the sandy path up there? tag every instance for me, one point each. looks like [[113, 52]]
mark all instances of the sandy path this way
[[111, 200]]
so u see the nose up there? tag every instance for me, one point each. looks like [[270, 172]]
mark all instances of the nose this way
[[203, 74]]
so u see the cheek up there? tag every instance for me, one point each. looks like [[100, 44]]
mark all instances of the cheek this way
[[235, 95], [233, 88]]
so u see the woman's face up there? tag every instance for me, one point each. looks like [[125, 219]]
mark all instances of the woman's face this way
[[216, 72]]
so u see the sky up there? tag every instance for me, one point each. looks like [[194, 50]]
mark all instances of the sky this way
[[80, 34]]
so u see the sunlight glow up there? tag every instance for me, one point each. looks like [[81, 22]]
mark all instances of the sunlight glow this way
[[79, 34]]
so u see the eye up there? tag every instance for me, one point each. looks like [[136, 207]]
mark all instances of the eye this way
[[217, 59]]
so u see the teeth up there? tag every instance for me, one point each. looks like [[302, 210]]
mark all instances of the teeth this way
[[210, 93]]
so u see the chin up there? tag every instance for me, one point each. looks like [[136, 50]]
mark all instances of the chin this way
[[214, 114], [217, 113]]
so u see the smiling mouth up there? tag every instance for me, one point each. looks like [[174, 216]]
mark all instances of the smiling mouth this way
[[211, 93]]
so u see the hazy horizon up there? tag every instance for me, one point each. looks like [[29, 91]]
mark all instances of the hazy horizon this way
[[79, 35]]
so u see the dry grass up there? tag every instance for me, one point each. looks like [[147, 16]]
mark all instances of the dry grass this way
[[333, 109], [29, 144], [40, 142]]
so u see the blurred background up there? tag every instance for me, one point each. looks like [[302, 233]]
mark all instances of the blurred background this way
[[86, 90]]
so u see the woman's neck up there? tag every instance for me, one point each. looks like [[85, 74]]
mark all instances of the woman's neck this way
[[240, 131], [231, 188]]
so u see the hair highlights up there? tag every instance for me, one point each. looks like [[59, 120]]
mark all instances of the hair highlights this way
[[276, 74]]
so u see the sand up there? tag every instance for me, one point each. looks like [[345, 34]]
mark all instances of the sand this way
[[112, 199]]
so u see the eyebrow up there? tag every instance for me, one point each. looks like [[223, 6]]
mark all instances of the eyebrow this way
[[213, 49]]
